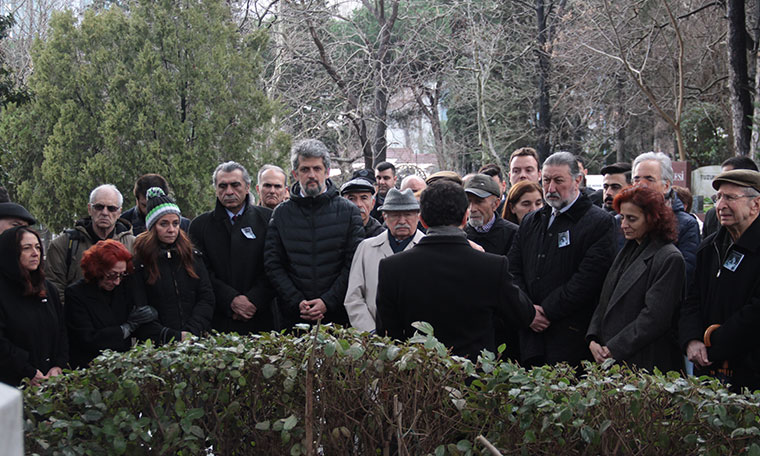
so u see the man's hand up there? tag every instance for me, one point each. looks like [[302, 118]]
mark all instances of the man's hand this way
[[696, 351], [601, 353], [54, 371], [313, 309], [242, 308], [540, 322], [476, 246], [38, 378]]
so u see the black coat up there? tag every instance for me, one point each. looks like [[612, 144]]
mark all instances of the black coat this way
[[32, 329], [730, 299], [372, 228], [183, 302], [565, 281], [94, 317], [497, 240], [310, 245], [455, 288], [234, 257], [637, 313]]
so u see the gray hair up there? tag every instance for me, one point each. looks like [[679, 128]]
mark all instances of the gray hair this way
[[230, 166], [666, 165], [564, 158], [309, 148], [751, 192], [266, 168], [96, 190]]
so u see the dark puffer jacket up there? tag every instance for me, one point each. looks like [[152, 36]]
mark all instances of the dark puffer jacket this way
[[183, 303], [93, 318], [309, 248], [32, 329]]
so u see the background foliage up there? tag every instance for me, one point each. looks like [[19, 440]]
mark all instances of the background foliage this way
[[352, 393]]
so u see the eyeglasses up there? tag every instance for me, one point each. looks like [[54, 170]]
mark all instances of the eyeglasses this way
[[99, 207], [729, 198], [115, 275]]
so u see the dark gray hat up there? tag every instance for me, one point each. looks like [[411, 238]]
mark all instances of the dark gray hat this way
[[397, 200], [740, 177], [8, 210], [483, 186], [357, 185]]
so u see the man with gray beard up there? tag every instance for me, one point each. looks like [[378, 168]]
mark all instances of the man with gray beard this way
[[559, 258], [311, 241]]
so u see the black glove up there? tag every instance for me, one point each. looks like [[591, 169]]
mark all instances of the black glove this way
[[138, 316]]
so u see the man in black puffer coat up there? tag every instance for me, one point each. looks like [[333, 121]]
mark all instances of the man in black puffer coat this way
[[311, 241]]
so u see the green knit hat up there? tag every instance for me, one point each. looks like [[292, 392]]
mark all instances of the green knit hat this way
[[159, 204]]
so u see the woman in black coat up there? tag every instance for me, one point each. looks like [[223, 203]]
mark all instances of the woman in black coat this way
[[102, 311], [635, 321], [171, 275], [32, 330]]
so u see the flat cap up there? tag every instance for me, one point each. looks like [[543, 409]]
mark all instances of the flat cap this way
[[616, 168], [8, 210], [482, 186], [740, 177], [444, 175], [357, 185], [367, 174]]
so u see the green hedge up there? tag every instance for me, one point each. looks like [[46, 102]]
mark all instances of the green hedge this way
[[232, 395]]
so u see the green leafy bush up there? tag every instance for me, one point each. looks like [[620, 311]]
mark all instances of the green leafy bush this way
[[352, 393]]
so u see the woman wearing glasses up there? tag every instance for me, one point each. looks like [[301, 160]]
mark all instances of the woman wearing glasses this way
[[33, 341], [635, 321], [100, 308], [171, 274]]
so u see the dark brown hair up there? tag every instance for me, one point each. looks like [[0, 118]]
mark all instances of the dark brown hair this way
[[513, 196], [147, 247]]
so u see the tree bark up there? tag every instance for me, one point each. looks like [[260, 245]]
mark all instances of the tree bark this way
[[543, 122], [738, 77], [620, 120]]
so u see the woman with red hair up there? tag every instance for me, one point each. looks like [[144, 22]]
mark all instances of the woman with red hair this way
[[100, 308], [33, 341], [635, 321]]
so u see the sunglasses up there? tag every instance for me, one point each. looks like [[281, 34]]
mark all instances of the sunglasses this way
[[115, 275], [99, 207]]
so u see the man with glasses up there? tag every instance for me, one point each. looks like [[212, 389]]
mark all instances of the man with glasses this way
[[721, 313], [401, 213], [655, 170], [103, 222]]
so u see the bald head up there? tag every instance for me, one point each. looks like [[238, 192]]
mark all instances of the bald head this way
[[416, 183]]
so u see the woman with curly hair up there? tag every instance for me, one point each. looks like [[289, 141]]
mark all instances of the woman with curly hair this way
[[101, 310], [171, 274], [33, 340], [635, 321], [524, 197]]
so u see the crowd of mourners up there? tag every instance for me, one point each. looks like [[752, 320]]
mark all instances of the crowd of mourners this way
[[554, 270]]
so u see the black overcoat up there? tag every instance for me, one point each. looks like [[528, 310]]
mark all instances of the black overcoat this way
[[498, 240], [637, 315], [455, 288], [730, 299], [562, 269], [234, 258]]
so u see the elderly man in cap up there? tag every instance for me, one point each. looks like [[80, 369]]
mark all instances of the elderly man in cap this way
[[361, 192], [13, 215], [484, 225], [721, 314], [401, 213]]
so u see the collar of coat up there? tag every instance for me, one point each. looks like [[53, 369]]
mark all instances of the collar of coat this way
[[576, 211], [330, 193], [749, 240], [382, 238], [220, 212]]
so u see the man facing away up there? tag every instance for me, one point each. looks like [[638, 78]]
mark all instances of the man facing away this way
[[231, 238], [401, 213], [103, 222], [461, 291], [311, 241]]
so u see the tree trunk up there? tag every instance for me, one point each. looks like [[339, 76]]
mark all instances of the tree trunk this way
[[619, 120], [380, 145], [543, 123], [663, 137], [755, 140], [738, 79]]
